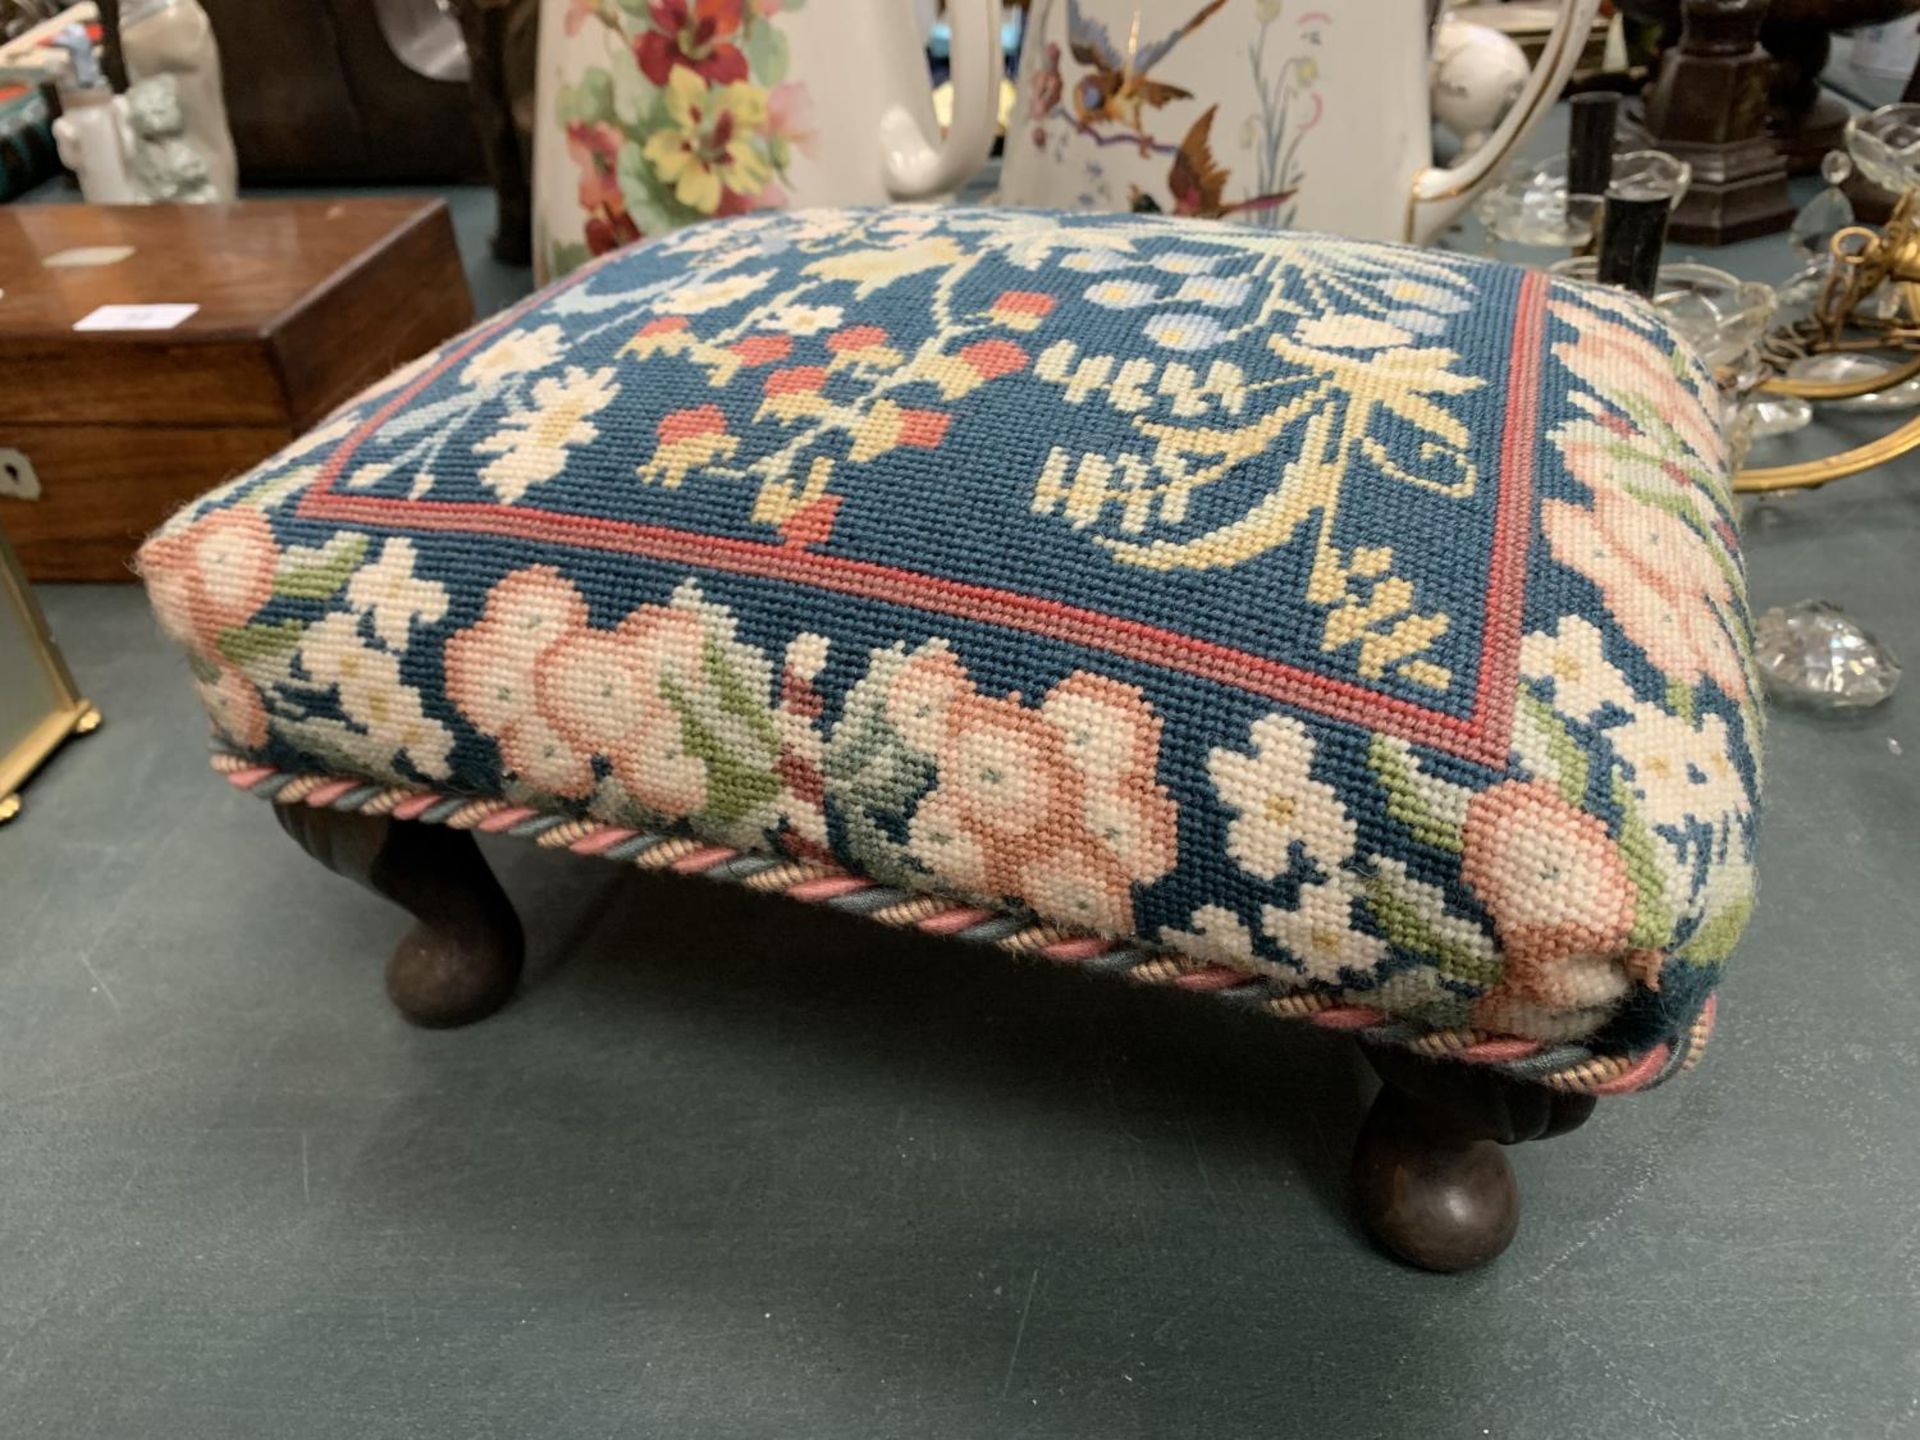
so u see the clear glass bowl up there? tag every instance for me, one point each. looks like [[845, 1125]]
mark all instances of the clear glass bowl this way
[[1885, 144], [1722, 316], [1530, 205]]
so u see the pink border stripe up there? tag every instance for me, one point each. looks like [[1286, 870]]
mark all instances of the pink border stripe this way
[[703, 859], [1348, 1018], [827, 887], [601, 840], [951, 922]]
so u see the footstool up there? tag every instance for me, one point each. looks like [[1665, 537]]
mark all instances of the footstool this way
[[1344, 632]]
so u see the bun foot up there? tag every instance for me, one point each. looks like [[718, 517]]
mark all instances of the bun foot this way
[[461, 961], [1431, 1182], [1435, 1198]]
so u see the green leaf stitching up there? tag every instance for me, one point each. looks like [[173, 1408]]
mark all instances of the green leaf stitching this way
[[1404, 802], [243, 645]]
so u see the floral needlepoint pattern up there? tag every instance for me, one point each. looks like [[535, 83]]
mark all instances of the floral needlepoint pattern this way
[[1357, 627]]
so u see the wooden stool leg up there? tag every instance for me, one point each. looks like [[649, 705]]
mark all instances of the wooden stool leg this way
[[1430, 1180], [461, 960]]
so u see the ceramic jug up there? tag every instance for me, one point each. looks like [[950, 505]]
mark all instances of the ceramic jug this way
[[659, 113], [1307, 114]]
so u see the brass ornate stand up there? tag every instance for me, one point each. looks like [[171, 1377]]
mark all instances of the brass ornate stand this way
[[1865, 260]]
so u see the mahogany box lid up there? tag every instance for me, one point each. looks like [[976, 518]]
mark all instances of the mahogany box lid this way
[[300, 303]]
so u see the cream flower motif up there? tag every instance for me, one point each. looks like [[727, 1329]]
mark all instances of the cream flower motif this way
[[802, 319], [712, 294], [490, 666], [532, 444], [1351, 332], [941, 838], [1680, 773], [1573, 657], [1319, 933], [1277, 802], [383, 713], [1218, 936], [394, 596], [518, 352]]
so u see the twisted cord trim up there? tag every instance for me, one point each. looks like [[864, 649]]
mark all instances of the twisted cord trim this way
[[1569, 1067]]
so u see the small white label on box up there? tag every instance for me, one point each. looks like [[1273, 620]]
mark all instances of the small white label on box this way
[[135, 317]]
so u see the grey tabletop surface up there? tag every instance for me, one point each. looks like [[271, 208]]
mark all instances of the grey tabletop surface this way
[[729, 1167]]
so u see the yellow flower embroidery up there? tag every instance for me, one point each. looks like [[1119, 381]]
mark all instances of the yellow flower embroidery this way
[[704, 152]]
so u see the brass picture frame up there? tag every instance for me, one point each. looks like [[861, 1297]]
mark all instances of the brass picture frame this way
[[40, 706]]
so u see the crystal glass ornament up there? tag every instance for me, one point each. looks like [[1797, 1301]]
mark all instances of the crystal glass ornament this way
[[1828, 212], [1531, 206], [1825, 215], [1885, 144], [1814, 653], [1769, 415]]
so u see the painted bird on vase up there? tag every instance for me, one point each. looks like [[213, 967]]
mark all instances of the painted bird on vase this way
[[1197, 182], [1118, 87]]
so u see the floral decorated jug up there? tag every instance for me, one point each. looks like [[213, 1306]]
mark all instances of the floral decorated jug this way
[[1308, 114], [660, 113]]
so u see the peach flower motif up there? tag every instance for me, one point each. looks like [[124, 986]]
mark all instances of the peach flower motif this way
[[605, 692], [1631, 373], [214, 575], [1113, 742], [1558, 890], [1007, 769], [1661, 582], [490, 666], [1058, 805], [920, 696], [1079, 886], [235, 705]]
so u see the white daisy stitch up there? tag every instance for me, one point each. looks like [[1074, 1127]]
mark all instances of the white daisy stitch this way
[[1277, 802]]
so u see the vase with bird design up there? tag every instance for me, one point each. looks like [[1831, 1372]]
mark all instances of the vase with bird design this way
[[1307, 114]]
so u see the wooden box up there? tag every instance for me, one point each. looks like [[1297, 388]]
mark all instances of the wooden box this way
[[301, 303]]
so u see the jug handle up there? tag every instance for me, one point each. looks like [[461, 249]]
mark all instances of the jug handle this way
[[1441, 192], [916, 167]]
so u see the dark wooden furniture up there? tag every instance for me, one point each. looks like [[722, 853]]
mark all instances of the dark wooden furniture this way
[[1804, 119], [301, 304], [1709, 107], [502, 37], [316, 92]]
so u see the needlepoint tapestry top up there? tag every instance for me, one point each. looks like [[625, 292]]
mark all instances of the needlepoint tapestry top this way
[[1363, 616]]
